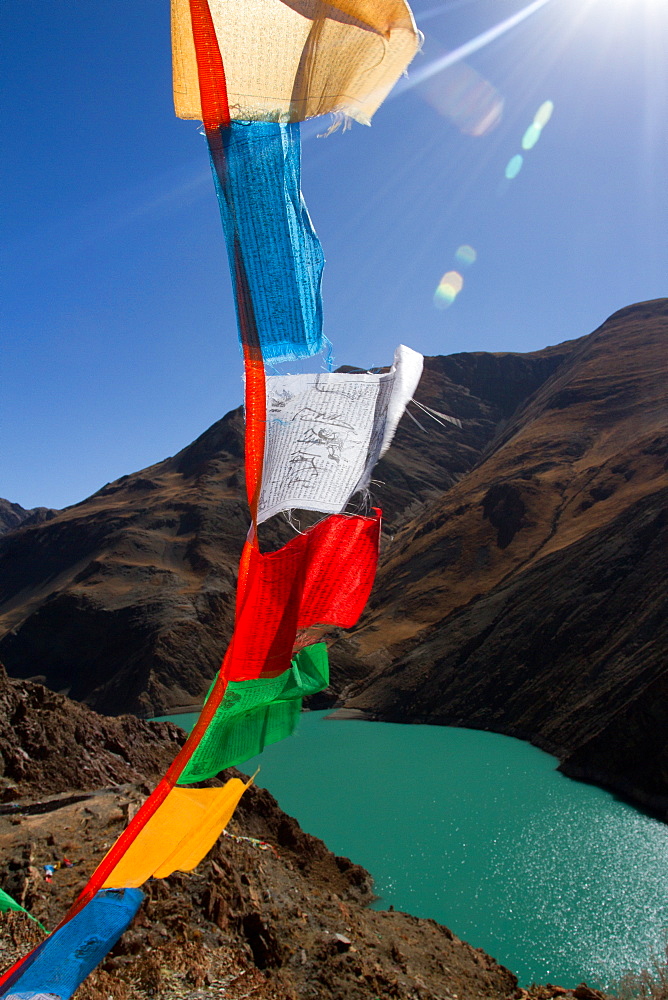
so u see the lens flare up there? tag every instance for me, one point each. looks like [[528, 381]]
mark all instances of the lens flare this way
[[468, 48], [466, 98], [531, 136], [448, 289], [543, 115], [466, 255], [514, 166]]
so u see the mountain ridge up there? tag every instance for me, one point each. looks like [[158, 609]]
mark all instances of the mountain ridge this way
[[13, 515]]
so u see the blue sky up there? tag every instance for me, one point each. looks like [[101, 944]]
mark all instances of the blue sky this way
[[118, 337]]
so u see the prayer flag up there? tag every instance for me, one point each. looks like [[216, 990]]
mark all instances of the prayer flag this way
[[256, 713], [322, 577], [179, 833], [325, 432], [62, 962], [275, 256], [7, 903], [287, 61]]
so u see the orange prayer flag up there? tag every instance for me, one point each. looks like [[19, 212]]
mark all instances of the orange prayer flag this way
[[178, 835]]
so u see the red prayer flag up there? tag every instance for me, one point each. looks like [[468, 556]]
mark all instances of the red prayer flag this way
[[322, 577]]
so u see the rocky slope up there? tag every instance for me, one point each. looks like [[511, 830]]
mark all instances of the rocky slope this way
[[49, 744], [530, 598], [125, 600], [285, 922]]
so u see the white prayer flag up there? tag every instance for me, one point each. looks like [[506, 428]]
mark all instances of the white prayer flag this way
[[325, 432]]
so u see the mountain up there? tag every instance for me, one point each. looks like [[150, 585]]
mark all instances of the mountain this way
[[530, 598], [125, 601], [522, 578], [13, 515]]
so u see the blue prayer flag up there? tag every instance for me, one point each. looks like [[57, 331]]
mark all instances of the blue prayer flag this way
[[62, 962], [275, 256]]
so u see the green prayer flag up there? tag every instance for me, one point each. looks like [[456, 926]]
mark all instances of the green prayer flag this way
[[7, 903], [255, 713]]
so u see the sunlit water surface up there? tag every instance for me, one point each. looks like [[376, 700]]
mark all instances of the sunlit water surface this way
[[556, 879]]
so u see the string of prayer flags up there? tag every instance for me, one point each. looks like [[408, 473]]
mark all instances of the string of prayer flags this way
[[325, 432], [262, 845], [287, 61], [62, 962], [251, 70], [178, 835], [322, 576], [7, 903], [256, 713]]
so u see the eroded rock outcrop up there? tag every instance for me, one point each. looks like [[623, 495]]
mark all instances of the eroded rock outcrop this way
[[49, 744]]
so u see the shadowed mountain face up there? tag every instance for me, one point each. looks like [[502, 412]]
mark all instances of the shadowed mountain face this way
[[521, 583], [107, 599], [530, 598]]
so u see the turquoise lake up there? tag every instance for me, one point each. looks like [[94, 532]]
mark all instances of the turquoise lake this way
[[558, 880]]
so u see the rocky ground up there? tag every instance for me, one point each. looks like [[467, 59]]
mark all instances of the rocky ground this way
[[283, 921]]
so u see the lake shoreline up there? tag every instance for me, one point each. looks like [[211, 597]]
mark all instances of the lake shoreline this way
[[655, 806], [492, 840]]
